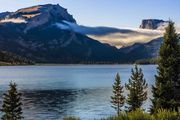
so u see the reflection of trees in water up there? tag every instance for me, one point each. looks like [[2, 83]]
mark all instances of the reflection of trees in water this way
[[47, 103], [55, 104], [1, 101]]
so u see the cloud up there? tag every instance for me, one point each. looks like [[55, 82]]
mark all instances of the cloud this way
[[125, 39], [62, 26], [177, 28], [164, 25], [115, 36], [90, 30]]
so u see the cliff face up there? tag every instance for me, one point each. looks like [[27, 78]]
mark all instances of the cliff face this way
[[153, 24], [37, 15]]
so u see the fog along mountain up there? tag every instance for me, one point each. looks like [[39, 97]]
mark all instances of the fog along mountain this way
[[118, 37], [49, 34], [149, 50]]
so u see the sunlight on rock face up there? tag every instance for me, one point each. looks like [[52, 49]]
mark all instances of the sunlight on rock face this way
[[13, 20]]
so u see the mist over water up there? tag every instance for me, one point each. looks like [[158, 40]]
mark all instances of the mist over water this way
[[52, 92]]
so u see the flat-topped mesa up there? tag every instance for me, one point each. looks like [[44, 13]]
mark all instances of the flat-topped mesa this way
[[153, 24], [38, 15]]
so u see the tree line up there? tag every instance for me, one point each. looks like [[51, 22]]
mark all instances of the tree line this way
[[166, 91]]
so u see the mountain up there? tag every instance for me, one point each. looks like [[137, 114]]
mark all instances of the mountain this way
[[49, 34], [37, 15], [32, 33], [3, 14], [142, 50], [153, 24]]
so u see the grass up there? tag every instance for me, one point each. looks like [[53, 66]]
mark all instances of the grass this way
[[161, 114], [71, 118]]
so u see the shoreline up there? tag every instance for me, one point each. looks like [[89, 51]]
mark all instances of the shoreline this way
[[59, 64]]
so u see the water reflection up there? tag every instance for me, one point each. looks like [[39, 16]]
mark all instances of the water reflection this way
[[55, 104], [52, 92], [47, 104]]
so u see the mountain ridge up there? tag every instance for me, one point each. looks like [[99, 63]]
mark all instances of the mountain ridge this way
[[45, 43], [49, 34]]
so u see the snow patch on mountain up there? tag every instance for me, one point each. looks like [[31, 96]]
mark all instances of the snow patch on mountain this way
[[13, 20]]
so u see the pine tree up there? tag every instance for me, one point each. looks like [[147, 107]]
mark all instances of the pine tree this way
[[137, 89], [11, 107], [167, 81], [117, 99]]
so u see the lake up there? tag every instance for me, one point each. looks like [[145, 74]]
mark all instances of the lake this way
[[52, 92]]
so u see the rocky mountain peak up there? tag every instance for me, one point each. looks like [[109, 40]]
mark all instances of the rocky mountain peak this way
[[153, 24], [38, 15], [48, 9]]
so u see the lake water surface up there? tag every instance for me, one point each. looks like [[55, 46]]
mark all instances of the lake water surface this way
[[52, 92]]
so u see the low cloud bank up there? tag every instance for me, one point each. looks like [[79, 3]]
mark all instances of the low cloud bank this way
[[115, 36]]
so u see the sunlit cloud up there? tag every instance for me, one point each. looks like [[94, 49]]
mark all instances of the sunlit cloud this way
[[177, 28], [13, 20], [124, 39], [116, 36]]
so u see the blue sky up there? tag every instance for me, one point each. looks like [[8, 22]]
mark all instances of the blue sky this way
[[114, 13]]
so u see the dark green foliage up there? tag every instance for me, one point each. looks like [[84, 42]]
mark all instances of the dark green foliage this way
[[71, 118], [117, 99], [137, 89], [146, 61], [164, 114], [11, 107], [138, 114], [166, 90], [8, 58]]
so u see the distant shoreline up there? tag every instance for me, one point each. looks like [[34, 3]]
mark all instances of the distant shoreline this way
[[61, 64]]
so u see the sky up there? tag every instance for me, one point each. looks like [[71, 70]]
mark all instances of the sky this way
[[112, 13]]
